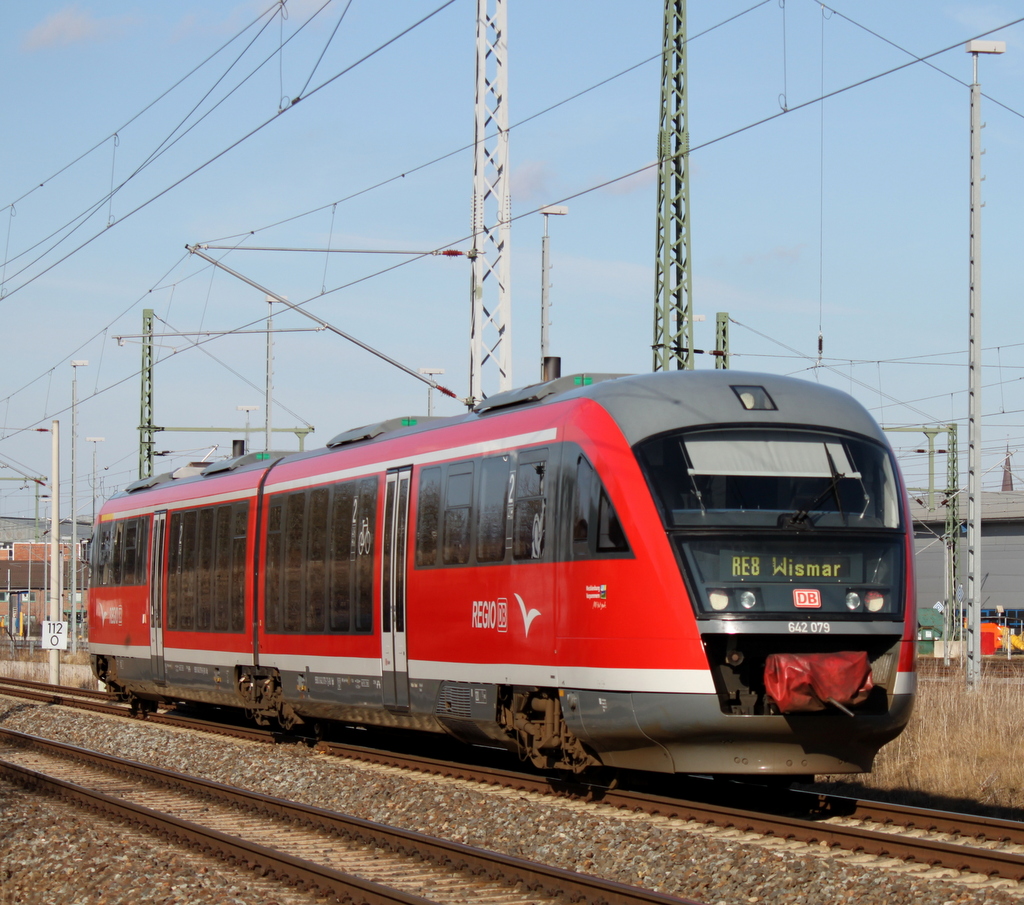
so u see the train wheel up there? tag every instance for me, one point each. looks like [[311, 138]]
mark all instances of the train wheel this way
[[141, 708]]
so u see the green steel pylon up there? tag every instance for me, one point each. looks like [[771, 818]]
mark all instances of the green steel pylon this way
[[722, 340], [147, 430]]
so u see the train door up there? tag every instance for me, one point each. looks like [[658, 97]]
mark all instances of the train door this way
[[156, 596], [394, 654]]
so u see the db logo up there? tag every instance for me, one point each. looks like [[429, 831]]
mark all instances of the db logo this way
[[490, 614], [808, 598]]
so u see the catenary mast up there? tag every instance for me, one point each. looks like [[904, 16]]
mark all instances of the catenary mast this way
[[673, 320], [491, 317]]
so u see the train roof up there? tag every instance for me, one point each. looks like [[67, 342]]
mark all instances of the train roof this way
[[642, 405]]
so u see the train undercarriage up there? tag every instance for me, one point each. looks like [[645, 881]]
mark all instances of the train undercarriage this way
[[568, 731]]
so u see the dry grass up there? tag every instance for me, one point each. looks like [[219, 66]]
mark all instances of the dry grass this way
[[963, 750]]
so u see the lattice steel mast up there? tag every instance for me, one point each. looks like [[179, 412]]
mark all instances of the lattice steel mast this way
[[147, 430], [491, 301], [673, 321]]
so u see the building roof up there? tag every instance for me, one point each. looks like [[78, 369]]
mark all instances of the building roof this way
[[25, 529], [18, 575], [1004, 506]]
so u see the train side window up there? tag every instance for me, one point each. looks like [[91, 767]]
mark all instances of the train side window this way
[[101, 553], [490, 530], [187, 601], [117, 557], [204, 562], [583, 506], [316, 573], [294, 536], [121, 553], [457, 501], [362, 596], [240, 514], [138, 575], [222, 569], [174, 571], [141, 547], [428, 509], [610, 537], [595, 527], [528, 530], [343, 530], [274, 572], [131, 530]]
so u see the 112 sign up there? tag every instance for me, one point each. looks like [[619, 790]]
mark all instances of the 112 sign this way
[[55, 636]]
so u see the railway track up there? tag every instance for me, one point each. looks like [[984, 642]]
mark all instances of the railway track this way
[[111, 705], [959, 842], [332, 854]]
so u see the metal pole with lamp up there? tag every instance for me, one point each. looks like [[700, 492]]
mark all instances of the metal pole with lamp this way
[[75, 365], [430, 372], [95, 441], [974, 574], [247, 409], [545, 269], [55, 606], [268, 396]]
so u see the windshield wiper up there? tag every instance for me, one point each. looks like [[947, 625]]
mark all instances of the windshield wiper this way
[[798, 518]]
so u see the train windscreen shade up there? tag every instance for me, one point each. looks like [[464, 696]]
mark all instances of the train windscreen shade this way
[[770, 478], [750, 454]]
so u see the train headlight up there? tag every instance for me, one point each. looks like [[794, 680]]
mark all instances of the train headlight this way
[[719, 599], [875, 601], [747, 599], [852, 600]]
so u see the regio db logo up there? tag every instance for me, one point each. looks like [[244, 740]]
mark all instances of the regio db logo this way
[[490, 614]]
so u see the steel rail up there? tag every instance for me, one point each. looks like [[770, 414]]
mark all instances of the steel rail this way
[[81, 699], [875, 842], [109, 705], [552, 881], [46, 686], [813, 831], [927, 819], [250, 854]]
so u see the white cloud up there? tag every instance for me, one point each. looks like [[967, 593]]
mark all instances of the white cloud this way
[[787, 255], [72, 25], [646, 177], [531, 181]]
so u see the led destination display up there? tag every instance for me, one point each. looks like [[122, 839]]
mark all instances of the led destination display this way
[[765, 567]]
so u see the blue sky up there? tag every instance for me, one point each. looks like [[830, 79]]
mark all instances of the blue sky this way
[[848, 215]]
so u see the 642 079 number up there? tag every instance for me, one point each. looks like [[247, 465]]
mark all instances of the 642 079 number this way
[[810, 628]]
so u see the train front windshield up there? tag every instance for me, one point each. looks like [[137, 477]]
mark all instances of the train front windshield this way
[[772, 522]]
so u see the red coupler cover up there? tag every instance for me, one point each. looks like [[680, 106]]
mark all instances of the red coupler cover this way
[[803, 682]]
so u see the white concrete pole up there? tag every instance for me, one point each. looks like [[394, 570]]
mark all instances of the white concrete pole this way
[[55, 603]]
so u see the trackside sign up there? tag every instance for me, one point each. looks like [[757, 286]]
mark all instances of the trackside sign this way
[[55, 636]]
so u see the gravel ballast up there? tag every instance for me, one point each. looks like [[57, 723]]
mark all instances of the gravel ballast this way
[[50, 853]]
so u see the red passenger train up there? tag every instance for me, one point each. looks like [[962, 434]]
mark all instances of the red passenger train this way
[[685, 572]]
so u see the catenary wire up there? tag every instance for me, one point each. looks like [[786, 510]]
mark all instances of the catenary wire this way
[[467, 147], [910, 53], [168, 142], [148, 106], [230, 147], [641, 169]]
